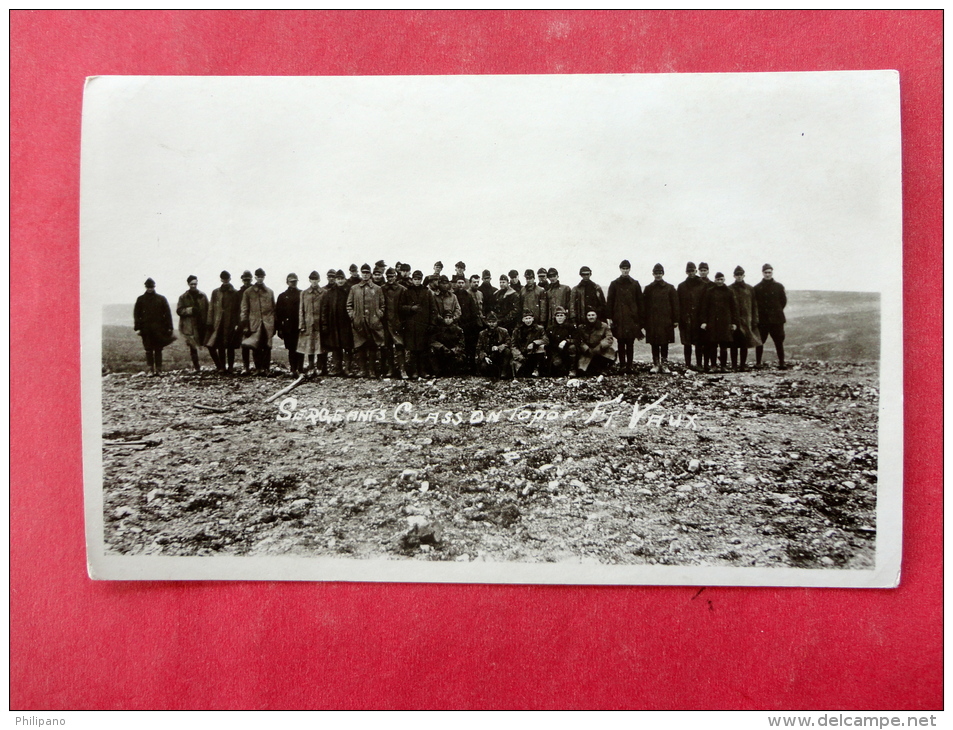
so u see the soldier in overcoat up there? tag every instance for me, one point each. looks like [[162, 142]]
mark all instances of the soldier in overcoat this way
[[418, 313], [772, 300], [661, 318], [708, 349], [310, 324], [689, 328], [192, 309], [392, 356], [337, 332], [624, 307], [152, 319], [287, 321], [246, 351], [489, 292], [587, 296], [258, 321], [719, 317], [365, 307], [447, 303], [747, 333], [223, 326]]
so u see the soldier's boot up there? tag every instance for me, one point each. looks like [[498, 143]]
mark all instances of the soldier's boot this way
[[151, 362], [346, 365], [158, 362], [195, 359], [780, 349], [246, 356], [230, 360], [758, 354], [216, 358], [322, 363], [361, 357]]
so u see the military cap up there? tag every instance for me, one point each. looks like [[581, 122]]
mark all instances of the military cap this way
[[366, 267], [314, 275], [405, 267], [690, 266], [352, 267], [390, 271], [658, 269], [719, 275], [332, 272], [438, 263], [291, 277], [542, 270], [380, 264], [192, 277], [559, 310], [486, 272], [739, 271], [225, 276], [491, 317], [529, 274], [259, 272], [246, 274], [702, 265], [766, 267], [443, 278], [514, 273], [458, 277], [552, 272], [625, 264], [418, 274], [460, 265], [585, 270], [529, 313], [339, 274], [150, 283]]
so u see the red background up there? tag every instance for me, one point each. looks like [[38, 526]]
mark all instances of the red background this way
[[79, 644]]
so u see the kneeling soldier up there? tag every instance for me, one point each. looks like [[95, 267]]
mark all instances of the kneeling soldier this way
[[529, 346], [493, 356], [562, 345]]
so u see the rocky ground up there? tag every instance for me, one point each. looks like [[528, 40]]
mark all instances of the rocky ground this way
[[763, 468]]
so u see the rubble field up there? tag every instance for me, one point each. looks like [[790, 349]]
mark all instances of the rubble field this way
[[763, 468]]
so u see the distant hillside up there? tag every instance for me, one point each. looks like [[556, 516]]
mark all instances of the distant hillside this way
[[822, 325]]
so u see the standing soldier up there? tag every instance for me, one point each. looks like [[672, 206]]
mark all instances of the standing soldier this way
[[310, 325], [447, 303], [246, 351], [460, 270], [224, 324], [689, 328], [507, 305], [559, 295], [392, 359], [471, 318], [340, 335], [193, 313], [708, 349], [587, 296], [515, 284], [354, 279], [432, 279], [403, 275], [152, 319], [287, 319], [771, 300], [534, 299], [747, 333], [624, 307], [542, 278], [478, 298], [661, 318], [418, 311], [365, 307], [493, 356], [489, 292], [258, 321], [719, 317]]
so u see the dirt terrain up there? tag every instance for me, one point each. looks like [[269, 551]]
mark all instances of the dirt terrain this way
[[763, 468]]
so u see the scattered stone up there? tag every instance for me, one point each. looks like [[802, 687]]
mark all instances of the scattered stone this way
[[576, 483], [464, 558], [370, 481], [408, 474], [827, 561], [644, 491], [424, 486], [651, 475], [124, 511], [153, 494], [298, 508], [546, 467], [512, 456], [684, 488]]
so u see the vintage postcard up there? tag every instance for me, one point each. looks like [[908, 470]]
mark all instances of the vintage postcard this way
[[589, 329]]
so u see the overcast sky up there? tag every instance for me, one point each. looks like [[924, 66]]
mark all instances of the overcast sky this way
[[192, 175]]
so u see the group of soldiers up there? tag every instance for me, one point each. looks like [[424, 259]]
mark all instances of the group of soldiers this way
[[389, 322]]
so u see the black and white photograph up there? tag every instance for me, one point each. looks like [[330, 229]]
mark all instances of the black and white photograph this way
[[587, 329]]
